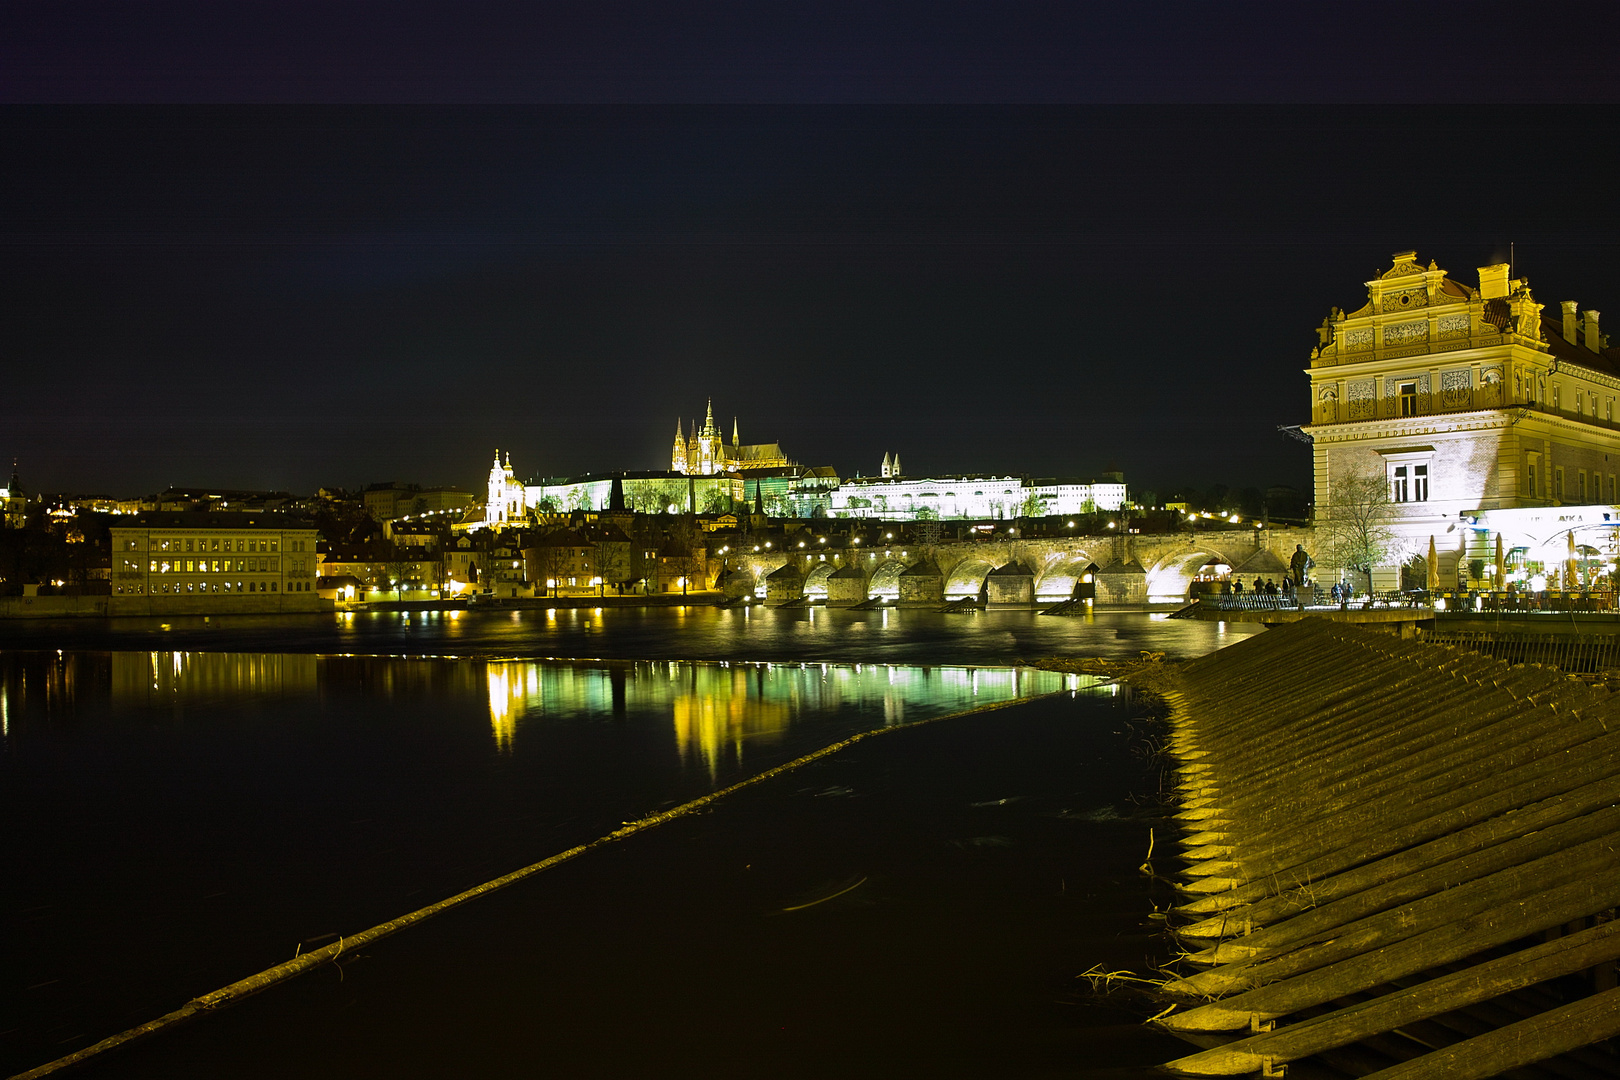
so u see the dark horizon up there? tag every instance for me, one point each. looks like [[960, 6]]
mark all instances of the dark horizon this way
[[293, 297]]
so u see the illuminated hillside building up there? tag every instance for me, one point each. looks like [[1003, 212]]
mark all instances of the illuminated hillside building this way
[[923, 498], [706, 453], [507, 500], [1464, 400]]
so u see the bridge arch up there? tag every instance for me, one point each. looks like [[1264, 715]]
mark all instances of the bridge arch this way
[[885, 580], [967, 577], [1057, 579], [1171, 577], [815, 580]]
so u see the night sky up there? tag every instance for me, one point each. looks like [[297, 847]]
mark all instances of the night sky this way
[[279, 247]]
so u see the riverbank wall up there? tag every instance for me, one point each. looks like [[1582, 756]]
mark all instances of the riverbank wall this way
[[101, 607], [1398, 859]]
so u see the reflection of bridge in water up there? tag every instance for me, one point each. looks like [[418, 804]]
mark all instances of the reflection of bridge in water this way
[[1128, 569]]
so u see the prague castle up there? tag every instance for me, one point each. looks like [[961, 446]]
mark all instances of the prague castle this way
[[706, 453], [1465, 401]]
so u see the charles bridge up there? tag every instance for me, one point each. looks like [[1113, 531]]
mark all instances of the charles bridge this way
[[1126, 569]]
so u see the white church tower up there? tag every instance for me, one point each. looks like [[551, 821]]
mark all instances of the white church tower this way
[[507, 499]]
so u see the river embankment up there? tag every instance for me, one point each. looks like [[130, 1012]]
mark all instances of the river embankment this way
[[1395, 857]]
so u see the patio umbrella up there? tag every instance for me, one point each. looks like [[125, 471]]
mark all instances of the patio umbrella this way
[[1500, 575], [1434, 567], [1571, 581]]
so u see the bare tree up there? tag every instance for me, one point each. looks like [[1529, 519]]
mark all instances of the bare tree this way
[[398, 569], [1354, 525], [554, 559], [686, 537]]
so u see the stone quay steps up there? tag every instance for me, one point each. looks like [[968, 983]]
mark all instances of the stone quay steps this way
[[1401, 860]]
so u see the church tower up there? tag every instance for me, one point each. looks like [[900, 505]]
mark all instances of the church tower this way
[[677, 462], [709, 446], [506, 499], [888, 469], [895, 467]]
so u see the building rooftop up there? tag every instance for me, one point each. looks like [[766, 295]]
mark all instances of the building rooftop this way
[[207, 519]]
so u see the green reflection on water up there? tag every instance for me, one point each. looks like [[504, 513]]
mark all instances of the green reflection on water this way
[[715, 711], [718, 710]]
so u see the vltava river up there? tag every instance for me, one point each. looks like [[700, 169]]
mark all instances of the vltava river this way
[[680, 633], [180, 818]]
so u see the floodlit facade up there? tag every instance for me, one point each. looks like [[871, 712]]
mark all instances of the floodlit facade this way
[[1462, 400], [506, 500], [943, 497], [647, 493], [199, 562], [706, 453]]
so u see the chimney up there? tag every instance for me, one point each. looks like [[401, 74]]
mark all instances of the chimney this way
[[1493, 281], [1594, 340], [1570, 334]]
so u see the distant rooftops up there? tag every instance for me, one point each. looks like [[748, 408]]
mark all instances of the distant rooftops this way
[[206, 519]]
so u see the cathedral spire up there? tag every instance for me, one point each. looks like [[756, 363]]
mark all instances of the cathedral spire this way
[[735, 441], [677, 460], [897, 471], [887, 469]]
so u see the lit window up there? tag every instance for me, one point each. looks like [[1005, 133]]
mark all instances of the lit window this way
[[1408, 403]]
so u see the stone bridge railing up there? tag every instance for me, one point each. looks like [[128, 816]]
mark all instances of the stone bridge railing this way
[[1129, 569]]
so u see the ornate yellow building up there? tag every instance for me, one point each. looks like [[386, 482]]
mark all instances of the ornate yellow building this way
[[707, 454], [1463, 400]]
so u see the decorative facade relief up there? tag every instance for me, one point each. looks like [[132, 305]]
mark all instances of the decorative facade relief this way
[[1406, 333], [1327, 408], [1358, 339], [1406, 298], [1360, 393], [1452, 326], [1457, 389]]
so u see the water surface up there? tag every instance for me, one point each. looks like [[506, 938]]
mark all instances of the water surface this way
[[178, 820], [691, 633]]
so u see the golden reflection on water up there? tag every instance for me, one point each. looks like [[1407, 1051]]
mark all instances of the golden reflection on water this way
[[717, 710], [721, 718], [142, 678]]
